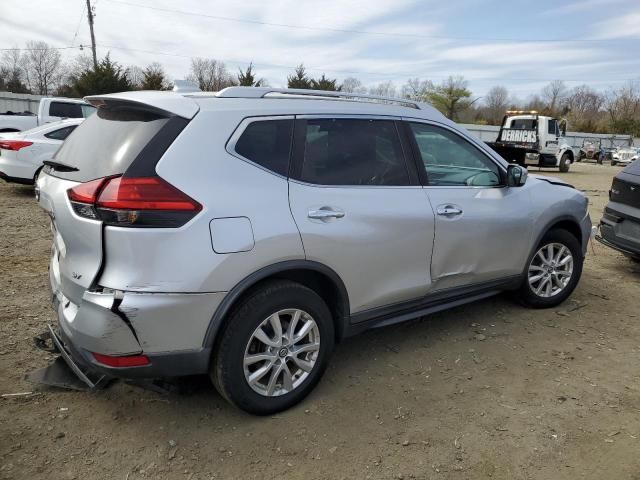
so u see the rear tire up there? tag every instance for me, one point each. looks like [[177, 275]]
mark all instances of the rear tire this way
[[260, 327], [547, 280], [565, 162], [613, 163]]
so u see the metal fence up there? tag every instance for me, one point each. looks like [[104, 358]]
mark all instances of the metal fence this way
[[19, 102], [489, 133]]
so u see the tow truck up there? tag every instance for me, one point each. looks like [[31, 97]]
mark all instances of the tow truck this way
[[530, 139]]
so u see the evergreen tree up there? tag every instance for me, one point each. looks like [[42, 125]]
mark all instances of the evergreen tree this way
[[323, 83], [154, 78], [299, 79], [248, 78], [109, 77]]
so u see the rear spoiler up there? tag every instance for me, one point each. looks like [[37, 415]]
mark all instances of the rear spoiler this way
[[170, 102]]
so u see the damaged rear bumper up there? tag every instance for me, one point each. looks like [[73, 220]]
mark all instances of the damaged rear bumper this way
[[167, 328]]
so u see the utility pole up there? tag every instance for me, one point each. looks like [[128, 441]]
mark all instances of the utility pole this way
[[93, 37]]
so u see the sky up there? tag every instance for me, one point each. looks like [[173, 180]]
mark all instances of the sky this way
[[521, 45]]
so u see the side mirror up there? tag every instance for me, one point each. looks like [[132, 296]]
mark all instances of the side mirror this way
[[563, 127], [516, 176]]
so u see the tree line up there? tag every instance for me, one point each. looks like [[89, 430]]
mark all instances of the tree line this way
[[39, 69]]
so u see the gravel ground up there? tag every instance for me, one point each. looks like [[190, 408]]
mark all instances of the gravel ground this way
[[488, 390]]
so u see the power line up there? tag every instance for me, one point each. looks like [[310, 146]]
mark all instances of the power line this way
[[40, 49], [75, 35], [359, 32]]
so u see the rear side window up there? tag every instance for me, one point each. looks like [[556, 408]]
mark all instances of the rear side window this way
[[108, 142], [267, 143], [61, 133], [353, 152]]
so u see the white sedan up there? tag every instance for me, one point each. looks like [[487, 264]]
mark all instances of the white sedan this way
[[22, 153]]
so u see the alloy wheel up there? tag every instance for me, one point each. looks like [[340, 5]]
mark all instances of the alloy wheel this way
[[550, 270], [281, 352]]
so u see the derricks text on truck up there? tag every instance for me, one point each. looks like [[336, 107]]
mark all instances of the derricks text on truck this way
[[528, 138]]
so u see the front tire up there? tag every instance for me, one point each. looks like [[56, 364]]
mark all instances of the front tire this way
[[274, 349], [553, 270], [565, 162]]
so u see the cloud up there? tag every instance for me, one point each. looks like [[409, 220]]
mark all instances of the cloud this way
[[580, 6], [622, 26], [405, 39]]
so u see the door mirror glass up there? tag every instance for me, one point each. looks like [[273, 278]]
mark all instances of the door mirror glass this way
[[516, 176], [563, 127]]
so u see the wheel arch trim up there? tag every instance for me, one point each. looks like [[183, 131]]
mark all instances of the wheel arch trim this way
[[271, 271], [548, 227]]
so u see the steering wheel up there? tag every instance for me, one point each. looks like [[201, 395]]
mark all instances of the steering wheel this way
[[482, 179]]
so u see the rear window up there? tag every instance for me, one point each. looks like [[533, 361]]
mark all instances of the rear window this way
[[267, 143], [108, 142], [70, 110], [523, 124]]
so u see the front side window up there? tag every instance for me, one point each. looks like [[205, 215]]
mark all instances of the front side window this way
[[553, 127], [61, 133], [450, 160], [363, 152], [267, 143]]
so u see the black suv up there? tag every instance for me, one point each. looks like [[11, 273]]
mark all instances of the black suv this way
[[620, 224]]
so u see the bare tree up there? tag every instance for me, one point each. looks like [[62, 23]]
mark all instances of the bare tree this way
[[210, 74], [12, 75], [353, 85], [384, 89], [43, 67], [416, 89], [623, 107], [497, 101], [585, 109], [554, 94], [135, 75]]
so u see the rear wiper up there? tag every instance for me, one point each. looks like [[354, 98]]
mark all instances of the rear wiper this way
[[60, 167]]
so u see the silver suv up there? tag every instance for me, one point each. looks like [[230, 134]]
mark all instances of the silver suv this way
[[242, 234]]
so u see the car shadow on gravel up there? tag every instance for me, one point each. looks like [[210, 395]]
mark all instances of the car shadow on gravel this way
[[21, 191], [355, 354]]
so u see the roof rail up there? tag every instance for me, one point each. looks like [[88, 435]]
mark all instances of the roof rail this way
[[262, 92]]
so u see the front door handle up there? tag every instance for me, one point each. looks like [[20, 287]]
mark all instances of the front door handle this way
[[448, 210], [325, 213]]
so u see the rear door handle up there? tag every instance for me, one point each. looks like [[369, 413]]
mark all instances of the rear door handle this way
[[325, 213], [448, 210]]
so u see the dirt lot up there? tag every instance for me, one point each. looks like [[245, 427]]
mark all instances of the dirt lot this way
[[489, 390]]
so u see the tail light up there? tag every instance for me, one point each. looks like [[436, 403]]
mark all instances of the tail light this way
[[14, 145], [133, 202]]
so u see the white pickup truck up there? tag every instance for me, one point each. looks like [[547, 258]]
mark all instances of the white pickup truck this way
[[49, 110]]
